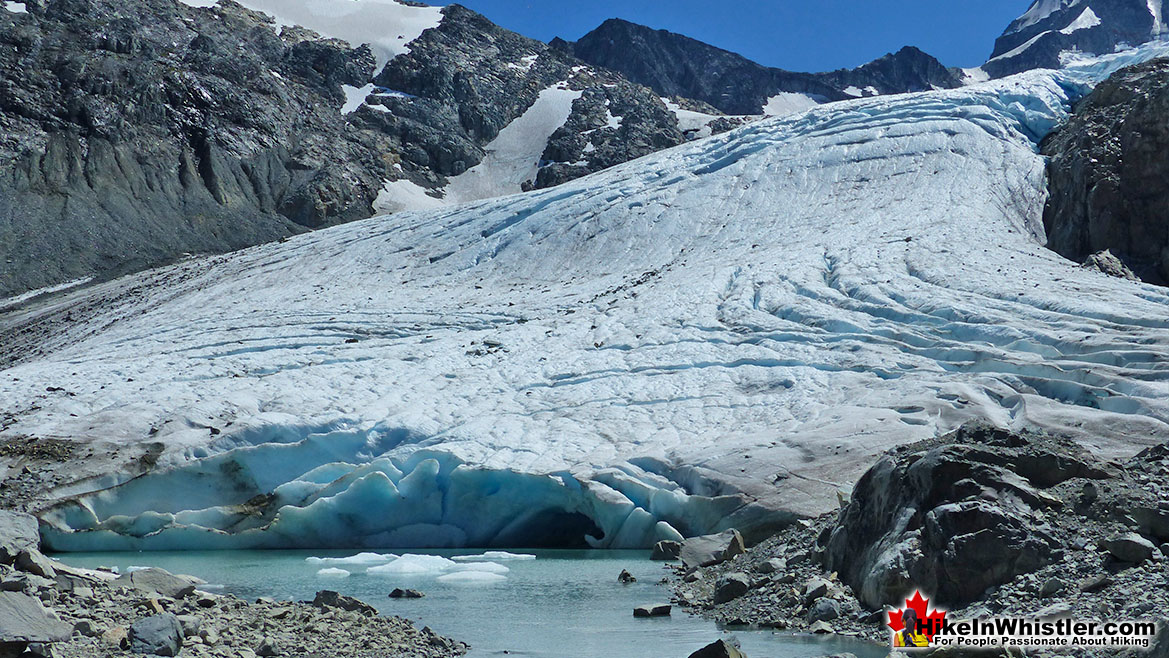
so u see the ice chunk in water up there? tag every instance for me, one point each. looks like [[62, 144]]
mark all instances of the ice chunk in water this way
[[493, 556], [333, 572], [413, 565]]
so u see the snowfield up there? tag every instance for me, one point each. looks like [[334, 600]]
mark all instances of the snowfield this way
[[725, 334]]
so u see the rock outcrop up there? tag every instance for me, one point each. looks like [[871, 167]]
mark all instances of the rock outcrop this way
[[1109, 174], [953, 518]]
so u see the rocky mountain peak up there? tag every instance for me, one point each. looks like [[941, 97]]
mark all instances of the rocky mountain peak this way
[[1050, 28]]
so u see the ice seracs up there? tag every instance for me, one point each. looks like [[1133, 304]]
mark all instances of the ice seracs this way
[[720, 335]]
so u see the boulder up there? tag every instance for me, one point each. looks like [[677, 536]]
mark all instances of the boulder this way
[[159, 582], [772, 565], [116, 636], [814, 589], [268, 648], [1129, 547], [824, 610], [399, 593], [730, 587], [719, 649], [625, 577], [709, 550], [161, 635], [656, 610], [821, 628], [953, 516], [24, 619], [330, 599], [30, 560], [18, 532], [665, 550]]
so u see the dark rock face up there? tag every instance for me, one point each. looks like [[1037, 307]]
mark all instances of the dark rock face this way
[[1109, 174], [137, 130], [1035, 40], [468, 78], [954, 517], [675, 65]]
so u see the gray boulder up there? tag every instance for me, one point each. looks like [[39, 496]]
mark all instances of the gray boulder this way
[[709, 550], [399, 593], [18, 532], [160, 582], [824, 610], [24, 619], [719, 649], [815, 589], [161, 635], [731, 587], [666, 550], [1129, 547], [330, 599], [772, 565]]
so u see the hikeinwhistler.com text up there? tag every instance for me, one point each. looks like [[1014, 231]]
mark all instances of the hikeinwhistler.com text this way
[[1022, 632]]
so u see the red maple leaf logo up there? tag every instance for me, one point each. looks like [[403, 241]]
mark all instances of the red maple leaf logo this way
[[931, 621]]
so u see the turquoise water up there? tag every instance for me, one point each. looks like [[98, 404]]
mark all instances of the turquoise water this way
[[564, 604]]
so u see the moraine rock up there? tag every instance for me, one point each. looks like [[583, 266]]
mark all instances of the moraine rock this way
[[161, 635], [330, 599], [730, 587], [399, 593], [1129, 547], [24, 619], [160, 582], [625, 577], [709, 550], [771, 565], [18, 532], [1107, 175]]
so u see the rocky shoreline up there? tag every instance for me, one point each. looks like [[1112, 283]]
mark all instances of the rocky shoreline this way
[[995, 523], [50, 610]]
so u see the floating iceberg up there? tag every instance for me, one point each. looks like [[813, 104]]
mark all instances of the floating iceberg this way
[[493, 556]]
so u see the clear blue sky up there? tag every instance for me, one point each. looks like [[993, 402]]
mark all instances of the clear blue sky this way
[[799, 35]]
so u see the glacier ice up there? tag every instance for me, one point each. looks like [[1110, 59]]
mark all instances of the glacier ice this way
[[332, 572], [493, 556], [720, 335]]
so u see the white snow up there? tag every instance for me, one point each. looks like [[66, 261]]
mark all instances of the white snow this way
[[1156, 8], [332, 572], [513, 157], [1087, 19], [355, 97], [404, 194], [387, 26], [1039, 11], [15, 7], [974, 75], [786, 103], [32, 294], [758, 313], [854, 91], [1019, 50]]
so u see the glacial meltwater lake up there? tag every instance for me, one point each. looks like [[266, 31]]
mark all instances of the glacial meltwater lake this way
[[563, 604]]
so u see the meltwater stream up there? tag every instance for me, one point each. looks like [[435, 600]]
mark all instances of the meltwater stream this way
[[563, 604]]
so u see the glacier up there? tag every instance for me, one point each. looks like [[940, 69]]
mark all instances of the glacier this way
[[720, 335]]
